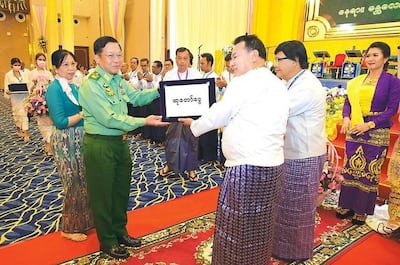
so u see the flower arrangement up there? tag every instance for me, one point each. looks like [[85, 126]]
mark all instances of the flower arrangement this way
[[36, 102], [330, 179], [331, 176], [227, 49], [334, 104]]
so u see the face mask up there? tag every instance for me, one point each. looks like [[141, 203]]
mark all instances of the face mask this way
[[41, 64], [16, 67]]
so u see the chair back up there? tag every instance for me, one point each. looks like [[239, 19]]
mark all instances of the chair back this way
[[339, 60]]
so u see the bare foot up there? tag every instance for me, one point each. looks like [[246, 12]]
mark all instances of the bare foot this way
[[164, 171], [74, 236]]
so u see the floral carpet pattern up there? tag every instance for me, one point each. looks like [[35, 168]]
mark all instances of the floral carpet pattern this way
[[190, 242], [31, 192]]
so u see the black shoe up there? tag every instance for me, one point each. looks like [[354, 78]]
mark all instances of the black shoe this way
[[129, 241], [116, 251], [343, 213]]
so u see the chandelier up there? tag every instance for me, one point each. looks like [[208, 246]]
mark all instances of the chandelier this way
[[14, 6]]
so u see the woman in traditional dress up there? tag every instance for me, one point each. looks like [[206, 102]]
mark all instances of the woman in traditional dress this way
[[16, 76], [62, 100], [373, 99], [305, 154], [392, 228], [40, 79]]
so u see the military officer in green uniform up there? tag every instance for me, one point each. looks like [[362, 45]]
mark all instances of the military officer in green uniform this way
[[104, 96]]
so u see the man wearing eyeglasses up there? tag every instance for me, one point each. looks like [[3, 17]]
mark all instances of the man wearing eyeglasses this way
[[104, 96], [304, 148]]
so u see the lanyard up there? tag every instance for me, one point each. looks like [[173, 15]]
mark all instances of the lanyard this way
[[207, 74], [186, 77], [295, 79]]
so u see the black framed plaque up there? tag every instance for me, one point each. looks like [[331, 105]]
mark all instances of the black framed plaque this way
[[186, 98], [18, 88]]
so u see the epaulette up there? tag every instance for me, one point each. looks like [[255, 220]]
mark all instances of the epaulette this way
[[95, 75]]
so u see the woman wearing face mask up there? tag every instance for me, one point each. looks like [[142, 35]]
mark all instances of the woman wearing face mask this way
[[40, 79], [15, 76]]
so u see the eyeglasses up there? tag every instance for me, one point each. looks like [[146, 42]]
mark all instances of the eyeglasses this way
[[280, 59]]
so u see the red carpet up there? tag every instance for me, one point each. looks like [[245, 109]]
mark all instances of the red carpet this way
[[53, 249], [180, 232]]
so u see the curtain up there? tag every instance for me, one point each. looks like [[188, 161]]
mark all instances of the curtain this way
[[116, 9], [206, 26], [157, 29]]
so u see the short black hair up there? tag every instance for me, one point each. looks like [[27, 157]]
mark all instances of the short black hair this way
[[58, 57], [101, 42], [209, 57], [294, 49], [158, 63], [169, 60], [252, 42], [184, 49]]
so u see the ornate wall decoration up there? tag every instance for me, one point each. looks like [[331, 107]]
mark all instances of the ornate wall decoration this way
[[14, 6], [329, 19]]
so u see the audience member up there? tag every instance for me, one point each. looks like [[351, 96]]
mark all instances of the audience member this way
[[373, 99], [225, 78], [305, 154], [67, 145], [208, 142], [254, 101], [156, 134], [168, 65], [108, 165]]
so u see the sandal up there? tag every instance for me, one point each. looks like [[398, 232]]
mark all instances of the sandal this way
[[358, 219], [384, 229], [164, 172], [193, 177], [74, 236]]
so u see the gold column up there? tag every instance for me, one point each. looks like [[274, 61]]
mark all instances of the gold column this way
[[67, 25], [51, 28]]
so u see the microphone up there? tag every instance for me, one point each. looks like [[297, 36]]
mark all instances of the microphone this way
[[200, 46]]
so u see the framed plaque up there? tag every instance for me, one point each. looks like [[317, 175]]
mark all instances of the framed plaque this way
[[18, 88], [186, 98]]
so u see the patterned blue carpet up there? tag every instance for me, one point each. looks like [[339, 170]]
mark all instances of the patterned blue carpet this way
[[31, 192]]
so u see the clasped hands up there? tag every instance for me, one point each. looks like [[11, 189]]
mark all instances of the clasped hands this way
[[357, 129]]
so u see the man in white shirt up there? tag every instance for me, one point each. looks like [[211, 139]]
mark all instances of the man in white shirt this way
[[208, 142], [168, 65], [155, 135], [134, 82], [226, 77], [181, 147], [254, 113], [145, 77], [305, 149], [133, 74]]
